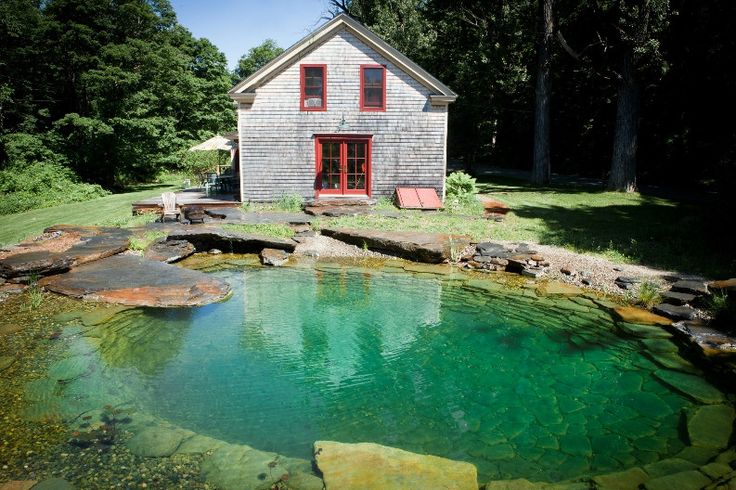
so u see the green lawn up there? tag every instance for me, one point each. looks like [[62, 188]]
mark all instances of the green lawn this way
[[109, 210], [675, 234]]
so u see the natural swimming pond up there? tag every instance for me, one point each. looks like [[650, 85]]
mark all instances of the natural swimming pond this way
[[521, 385]]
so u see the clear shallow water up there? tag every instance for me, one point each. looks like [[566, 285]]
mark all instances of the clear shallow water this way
[[519, 386]]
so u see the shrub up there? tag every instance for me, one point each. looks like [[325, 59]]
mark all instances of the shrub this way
[[649, 293], [290, 202], [460, 185]]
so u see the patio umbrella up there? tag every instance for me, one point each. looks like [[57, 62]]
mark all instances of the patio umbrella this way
[[217, 142]]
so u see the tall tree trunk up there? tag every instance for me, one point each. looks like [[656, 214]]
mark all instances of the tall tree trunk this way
[[623, 161], [541, 167]]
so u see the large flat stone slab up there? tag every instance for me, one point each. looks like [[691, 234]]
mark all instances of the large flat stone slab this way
[[169, 251], [710, 426], [694, 387], [372, 466], [206, 238], [135, 281], [632, 314], [419, 247], [62, 247]]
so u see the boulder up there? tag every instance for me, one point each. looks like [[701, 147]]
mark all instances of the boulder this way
[[206, 238], [675, 312], [710, 426], [372, 466], [632, 314], [711, 342], [238, 467], [169, 251], [419, 247], [274, 257], [135, 281]]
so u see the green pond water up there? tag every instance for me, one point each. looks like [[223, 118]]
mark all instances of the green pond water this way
[[520, 386]]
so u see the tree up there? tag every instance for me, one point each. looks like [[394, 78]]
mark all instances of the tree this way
[[541, 167], [256, 58]]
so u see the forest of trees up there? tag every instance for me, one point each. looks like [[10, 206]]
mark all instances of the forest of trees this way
[[636, 90], [98, 94]]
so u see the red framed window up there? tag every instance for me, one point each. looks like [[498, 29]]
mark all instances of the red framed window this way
[[313, 87], [372, 88]]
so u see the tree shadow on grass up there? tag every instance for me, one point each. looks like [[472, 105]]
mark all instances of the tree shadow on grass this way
[[651, 232]]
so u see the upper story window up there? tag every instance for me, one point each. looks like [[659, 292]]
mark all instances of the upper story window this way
[[314, 87], [372, 88]]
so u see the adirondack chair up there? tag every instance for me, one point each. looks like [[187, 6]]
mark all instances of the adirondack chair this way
[[170, 210]]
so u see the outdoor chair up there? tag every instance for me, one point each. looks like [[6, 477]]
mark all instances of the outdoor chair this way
[[170, 211], [211, 182]]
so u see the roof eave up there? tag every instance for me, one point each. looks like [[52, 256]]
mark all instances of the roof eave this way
[[363, 33]]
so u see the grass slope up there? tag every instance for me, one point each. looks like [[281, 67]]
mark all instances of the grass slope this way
[[109, 210]]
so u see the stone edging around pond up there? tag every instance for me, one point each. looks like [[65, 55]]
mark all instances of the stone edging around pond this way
[[228, 465]]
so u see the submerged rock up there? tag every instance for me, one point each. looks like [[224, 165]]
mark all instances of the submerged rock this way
[[372, 466], [420, 247], [157, 442], [693, 386], [632, 314], [710, 426], [134, 281]]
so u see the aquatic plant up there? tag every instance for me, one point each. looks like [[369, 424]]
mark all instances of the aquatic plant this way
[[35, 294], [102, 436], [648, 294]]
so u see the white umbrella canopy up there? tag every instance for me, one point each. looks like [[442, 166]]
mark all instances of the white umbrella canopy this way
[[217, 142]]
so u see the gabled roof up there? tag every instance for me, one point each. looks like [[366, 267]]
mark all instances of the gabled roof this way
[[244, 90]]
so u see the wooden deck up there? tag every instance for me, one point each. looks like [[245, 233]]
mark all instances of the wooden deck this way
[[188, 198]]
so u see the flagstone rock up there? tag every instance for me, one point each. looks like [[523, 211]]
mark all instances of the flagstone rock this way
[[554, 288], [726, 284], [692, 287], [684, 480], [621, 480], [371, 466], [207, 238], [676, 298], [66, 247], [632, 314], [419, 247], [676, 312], [668, 466], [135, 281], [694, 387], [710, 426], [169, 251], [53, 484]]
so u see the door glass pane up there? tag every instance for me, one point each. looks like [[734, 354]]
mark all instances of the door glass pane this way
[[330, 165]]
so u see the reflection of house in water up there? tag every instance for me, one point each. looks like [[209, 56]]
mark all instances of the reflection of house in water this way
[[337, 324]]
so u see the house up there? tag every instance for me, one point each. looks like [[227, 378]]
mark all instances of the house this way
[[340, 114]]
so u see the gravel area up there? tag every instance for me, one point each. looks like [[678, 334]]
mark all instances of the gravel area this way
[[599, 272], [323, 246]]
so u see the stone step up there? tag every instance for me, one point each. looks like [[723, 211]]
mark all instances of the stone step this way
[[675, 298], [691, 287], [675, 312]]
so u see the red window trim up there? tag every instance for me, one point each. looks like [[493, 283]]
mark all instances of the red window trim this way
[[302, 84], [363, 108], [319, 138]]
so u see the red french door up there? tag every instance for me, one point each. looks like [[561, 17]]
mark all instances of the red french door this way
[[343, 165]]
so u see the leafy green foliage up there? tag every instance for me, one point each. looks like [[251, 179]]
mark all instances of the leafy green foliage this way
[[461, 193], [722, 308], [649, 293], [256, 58], [289, 202], [122, 84]]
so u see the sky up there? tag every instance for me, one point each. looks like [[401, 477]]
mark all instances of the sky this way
[[235, 26]]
